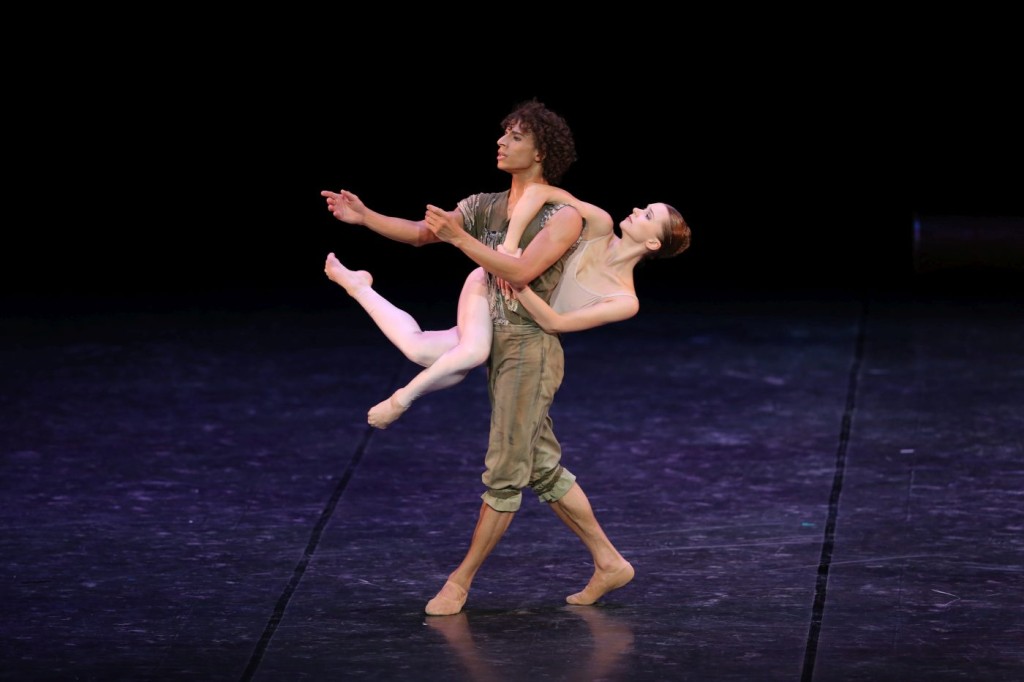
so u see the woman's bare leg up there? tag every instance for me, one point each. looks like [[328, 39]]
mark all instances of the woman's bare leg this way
[[421, 347], [473, 347]]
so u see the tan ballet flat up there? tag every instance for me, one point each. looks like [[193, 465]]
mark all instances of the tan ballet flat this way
[[442, 605], [601, 584]]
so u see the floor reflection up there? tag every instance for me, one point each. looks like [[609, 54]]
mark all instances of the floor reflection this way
[[486, 660]]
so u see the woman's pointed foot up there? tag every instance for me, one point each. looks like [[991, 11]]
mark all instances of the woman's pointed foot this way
[[350, 280], [384, 413]]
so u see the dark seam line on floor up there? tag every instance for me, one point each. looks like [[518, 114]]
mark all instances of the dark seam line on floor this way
[[300, 568], [828, 544]]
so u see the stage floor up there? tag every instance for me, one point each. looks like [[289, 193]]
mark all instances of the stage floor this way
[[810, 488]]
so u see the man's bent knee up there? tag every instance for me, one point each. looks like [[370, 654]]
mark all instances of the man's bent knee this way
[[504, 500], [554, 485]]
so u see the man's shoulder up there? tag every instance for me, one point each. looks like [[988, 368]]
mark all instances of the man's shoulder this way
[[488, 196], [561, 214], [481, 200]]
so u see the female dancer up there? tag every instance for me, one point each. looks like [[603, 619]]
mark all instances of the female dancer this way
[[596, 289]]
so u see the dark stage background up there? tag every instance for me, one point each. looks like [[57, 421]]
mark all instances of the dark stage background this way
[[190, 489], [144, 178]]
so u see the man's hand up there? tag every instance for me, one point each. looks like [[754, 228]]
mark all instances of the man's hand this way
[[444, 227], [345, 206]]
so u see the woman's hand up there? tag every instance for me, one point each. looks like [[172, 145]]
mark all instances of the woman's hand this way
[[507, 290]]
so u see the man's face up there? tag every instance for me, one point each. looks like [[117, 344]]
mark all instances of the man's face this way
[[517, 150]]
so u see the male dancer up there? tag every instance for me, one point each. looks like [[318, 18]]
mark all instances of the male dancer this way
[[526, 364]]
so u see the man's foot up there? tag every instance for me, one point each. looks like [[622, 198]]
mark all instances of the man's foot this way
[[351, 280], [601, 583], [448, 601], [385, 412]]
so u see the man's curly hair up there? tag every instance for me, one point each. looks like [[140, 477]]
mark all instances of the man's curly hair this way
[[554, 139]]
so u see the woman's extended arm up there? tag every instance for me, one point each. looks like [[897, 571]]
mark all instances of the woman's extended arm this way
[[558, 234], [605, 311], [598, 221], [533, 199]]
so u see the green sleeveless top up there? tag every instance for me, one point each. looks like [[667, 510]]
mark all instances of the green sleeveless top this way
[[485, 216]]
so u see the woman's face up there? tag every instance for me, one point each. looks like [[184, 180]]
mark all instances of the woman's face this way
[[645, 224]]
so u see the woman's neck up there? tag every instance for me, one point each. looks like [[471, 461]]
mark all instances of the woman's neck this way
[[617, 256], [623, 255]]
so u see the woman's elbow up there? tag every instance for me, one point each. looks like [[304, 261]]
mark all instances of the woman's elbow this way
[[551, 325]]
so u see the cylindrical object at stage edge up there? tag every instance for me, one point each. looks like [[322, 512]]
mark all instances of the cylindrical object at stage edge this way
[[943, 242]]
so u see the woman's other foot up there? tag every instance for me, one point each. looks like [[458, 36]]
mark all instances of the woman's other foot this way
[[384, 413]]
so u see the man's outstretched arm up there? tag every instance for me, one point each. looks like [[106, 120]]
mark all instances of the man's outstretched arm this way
[[348, 208]]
